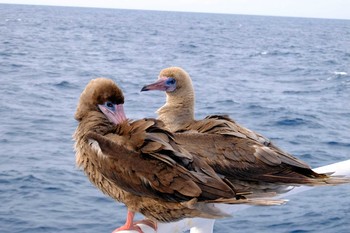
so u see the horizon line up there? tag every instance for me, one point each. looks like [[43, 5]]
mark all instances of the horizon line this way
[[177, 11]]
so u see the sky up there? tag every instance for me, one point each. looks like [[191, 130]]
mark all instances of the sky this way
[[335, 9]]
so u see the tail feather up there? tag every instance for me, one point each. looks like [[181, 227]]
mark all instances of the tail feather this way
[[334, 180], [313, 179], [210, 209], [253, 201]]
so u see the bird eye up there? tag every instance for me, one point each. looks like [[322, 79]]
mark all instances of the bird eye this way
[[109, 104], [171, 81]]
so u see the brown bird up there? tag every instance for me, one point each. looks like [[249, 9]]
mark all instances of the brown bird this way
[[247, 159], [140, 164]]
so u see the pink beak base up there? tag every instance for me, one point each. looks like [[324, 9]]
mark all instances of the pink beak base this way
[[116, 117], [159, 85]]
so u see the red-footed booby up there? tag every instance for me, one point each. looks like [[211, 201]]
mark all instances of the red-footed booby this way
[[142, 165], [178, 111], [247, 159]]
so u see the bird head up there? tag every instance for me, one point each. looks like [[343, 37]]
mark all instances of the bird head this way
[[171, 80], [102, 94]]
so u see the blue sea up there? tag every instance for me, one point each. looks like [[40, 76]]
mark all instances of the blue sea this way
[[287, 78]]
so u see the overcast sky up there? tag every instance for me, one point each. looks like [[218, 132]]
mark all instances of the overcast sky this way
[[338, 9]]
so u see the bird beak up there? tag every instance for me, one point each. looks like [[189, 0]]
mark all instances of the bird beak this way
[[117, 117], [159, 85]]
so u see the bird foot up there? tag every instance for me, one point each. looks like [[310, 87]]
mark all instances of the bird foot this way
[[148, 222], [135, 227]]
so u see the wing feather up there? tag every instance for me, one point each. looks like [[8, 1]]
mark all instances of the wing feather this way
[[162, 167], [244, 160]]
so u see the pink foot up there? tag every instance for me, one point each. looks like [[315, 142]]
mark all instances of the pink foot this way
[[130, 228], [131, 225], [148, 222]]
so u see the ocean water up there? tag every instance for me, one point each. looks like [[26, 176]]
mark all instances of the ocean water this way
[[287, 78]]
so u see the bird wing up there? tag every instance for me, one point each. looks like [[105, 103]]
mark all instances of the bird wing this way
[[245, 159], [143, 159], [223, 124]]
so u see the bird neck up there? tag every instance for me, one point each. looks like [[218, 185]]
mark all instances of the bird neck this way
[[177, 112]]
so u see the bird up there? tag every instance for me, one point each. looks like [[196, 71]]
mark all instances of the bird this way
[[139, 163], [178, 111], [246, 158]]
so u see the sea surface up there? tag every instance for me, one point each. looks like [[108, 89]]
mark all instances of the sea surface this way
[[287, 78]]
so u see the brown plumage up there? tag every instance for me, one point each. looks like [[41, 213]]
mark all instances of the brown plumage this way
[[140, 164], [248, 159]]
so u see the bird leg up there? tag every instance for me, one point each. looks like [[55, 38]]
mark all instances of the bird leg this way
[[148, 222], [131, 225]]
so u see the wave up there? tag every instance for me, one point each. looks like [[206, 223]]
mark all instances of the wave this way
[[64, 84], [340, 73]]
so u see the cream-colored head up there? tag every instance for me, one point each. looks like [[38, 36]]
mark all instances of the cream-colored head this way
[[102, 94], [179, 107], [174, 81]]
